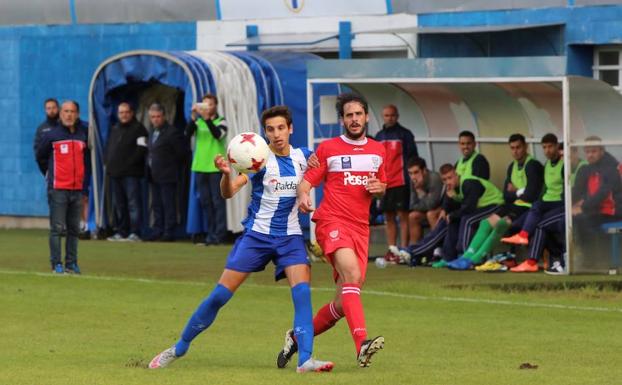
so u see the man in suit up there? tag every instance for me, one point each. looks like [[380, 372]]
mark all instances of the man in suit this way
[[166, 150]]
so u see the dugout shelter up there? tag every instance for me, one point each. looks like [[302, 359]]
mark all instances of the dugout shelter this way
[[494, 98]]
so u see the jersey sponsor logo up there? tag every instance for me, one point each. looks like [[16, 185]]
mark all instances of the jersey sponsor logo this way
[[283, 186], [355, 180], [346, 162]]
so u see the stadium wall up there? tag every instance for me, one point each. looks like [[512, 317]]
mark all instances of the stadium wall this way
[[57, 61], [583, 28]]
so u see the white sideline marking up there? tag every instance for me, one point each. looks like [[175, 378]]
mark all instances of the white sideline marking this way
[[327, 289]]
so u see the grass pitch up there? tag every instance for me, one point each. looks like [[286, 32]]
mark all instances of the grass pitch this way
[[441, 327]]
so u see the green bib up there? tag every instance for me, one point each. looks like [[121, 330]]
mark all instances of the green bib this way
[[553, 181], [207, 147], [573, 175], [464, 168], [491, 196], [518, 177]]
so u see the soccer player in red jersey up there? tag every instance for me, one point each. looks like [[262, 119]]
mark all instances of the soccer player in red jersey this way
[[352, 169]]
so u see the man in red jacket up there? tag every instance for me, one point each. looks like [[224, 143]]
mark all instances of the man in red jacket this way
[[399, 145], [63, 157]]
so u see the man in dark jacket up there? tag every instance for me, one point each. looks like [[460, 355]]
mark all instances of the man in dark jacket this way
[[125, 167], [51, 120], [166, 150], [597, 193], [63, 157], [399, 145]]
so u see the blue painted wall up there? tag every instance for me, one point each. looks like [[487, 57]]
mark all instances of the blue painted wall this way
[[57, 61], [584, 28]]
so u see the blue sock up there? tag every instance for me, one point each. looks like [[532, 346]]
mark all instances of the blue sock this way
[[202, 317], [303, 321]]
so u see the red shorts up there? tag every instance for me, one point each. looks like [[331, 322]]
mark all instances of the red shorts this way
[[333, 235]]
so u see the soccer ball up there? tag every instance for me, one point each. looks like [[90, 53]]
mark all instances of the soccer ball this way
[[248, 152]]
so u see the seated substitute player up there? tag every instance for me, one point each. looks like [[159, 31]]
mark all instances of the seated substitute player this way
[[472, 162], [548, 205], [521, 188], [426, 191], [353, 169], [470, 199], [596, 195], [272, 233], [467, 200]]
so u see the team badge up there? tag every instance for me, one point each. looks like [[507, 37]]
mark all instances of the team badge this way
[[294, 6], [334, 234], [375, 161], [346, 162], [64, 148]]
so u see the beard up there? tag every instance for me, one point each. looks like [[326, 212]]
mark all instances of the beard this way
[[356, 136], [53, 117]]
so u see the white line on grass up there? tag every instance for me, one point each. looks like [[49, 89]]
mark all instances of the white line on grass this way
[[326, 289]]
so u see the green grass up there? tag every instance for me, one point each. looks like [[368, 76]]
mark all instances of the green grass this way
[[441, 327]]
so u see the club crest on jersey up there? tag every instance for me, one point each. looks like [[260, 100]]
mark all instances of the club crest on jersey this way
[[334, 234], [64, 148], [375, 161], [346, 162]]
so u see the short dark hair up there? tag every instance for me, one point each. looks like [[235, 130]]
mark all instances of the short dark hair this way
[[275, 111], [447, 167], [466, 133], [346, 98], [416, 161], [50, 100], [517, 138], [128, 104], [211, 97], [549, 138]]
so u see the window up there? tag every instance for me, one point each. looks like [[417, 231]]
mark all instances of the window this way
[[607, 65]]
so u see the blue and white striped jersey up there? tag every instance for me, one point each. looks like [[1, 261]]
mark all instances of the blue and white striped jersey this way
[[273, 208]]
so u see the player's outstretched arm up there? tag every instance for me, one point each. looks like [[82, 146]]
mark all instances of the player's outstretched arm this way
[[228, 186], [304, 199]]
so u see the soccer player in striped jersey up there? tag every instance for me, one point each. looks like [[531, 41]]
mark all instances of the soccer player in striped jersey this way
[[272, 233], [352, 168]]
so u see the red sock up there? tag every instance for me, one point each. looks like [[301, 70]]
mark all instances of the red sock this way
[[523, 234], [325, 318], [353, 310]]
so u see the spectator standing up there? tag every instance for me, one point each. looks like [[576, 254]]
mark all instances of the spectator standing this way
[[426, 191], [63, 156], [399, 144], [166, 147], [51, 120], [210, 131], [125, 166]]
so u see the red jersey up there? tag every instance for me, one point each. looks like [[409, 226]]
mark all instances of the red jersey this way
[[346, 165]]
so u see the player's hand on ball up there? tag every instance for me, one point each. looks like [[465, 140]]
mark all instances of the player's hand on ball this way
[[304, 203], [222, 164], [374, 186], [313, 161]]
